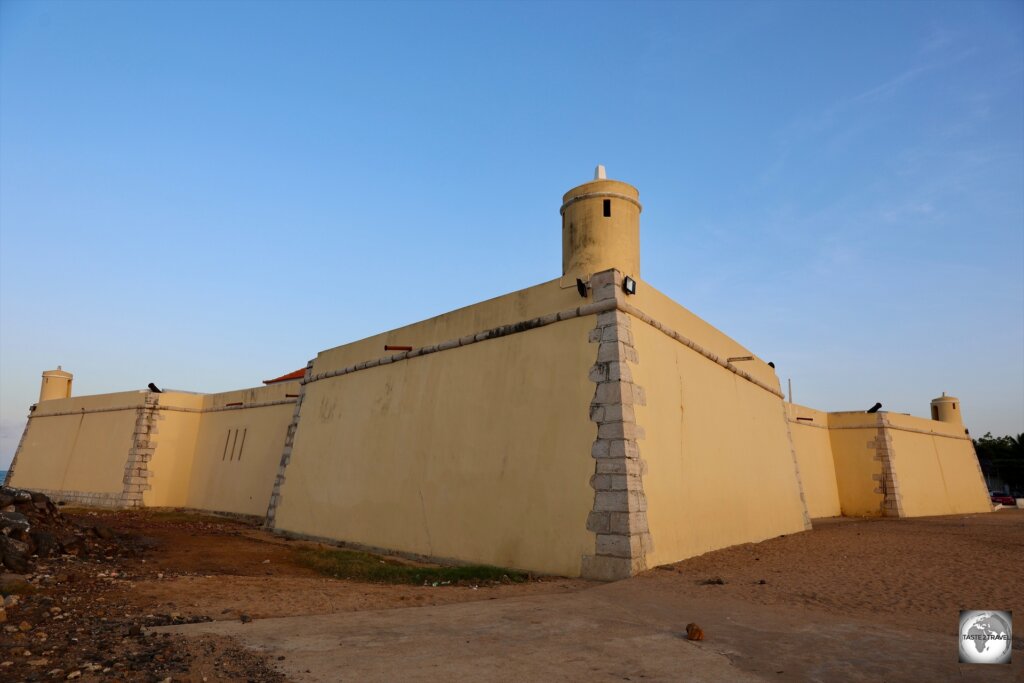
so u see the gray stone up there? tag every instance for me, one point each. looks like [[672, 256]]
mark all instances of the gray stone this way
[[598, 522], [618, 545], [605, 568], [611, 501]]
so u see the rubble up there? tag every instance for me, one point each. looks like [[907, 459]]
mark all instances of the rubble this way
[[32, 527], [60, 614]]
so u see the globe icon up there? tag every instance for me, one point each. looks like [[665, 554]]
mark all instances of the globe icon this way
[[985, 637]]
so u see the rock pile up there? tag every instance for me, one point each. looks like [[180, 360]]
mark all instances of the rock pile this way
[[73, 616], [31, 527]]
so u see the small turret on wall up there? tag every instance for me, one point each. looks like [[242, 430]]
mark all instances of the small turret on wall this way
[[56, 384], [600, 228], [947, 409]]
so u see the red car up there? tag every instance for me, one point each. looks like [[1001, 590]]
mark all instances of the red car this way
[[1003, 498]]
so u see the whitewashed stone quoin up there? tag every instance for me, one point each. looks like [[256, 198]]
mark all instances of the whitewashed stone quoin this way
[[619, 515], [286, 454], [136, 468], [888, 484]]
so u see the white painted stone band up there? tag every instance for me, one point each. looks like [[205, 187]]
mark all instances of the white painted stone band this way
[[493, 333], [113, 409], [685, 341], [534, 323], [888, 425], [264, 404]]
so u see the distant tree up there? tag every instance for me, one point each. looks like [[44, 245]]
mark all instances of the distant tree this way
[[1002, 457]]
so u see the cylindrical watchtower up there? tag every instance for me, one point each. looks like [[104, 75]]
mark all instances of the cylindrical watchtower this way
[[56, 384], [601, 228], [947, 409]]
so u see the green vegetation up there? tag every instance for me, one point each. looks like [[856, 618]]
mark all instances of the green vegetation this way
[[176, 515], [1002, 457], [352, 564]]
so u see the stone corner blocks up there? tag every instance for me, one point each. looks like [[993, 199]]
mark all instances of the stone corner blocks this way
[[619, 515]]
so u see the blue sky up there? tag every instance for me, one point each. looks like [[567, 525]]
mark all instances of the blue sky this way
[[204, 195]]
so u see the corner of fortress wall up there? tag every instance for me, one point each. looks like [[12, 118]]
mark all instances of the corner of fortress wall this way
[[474, 446], [569, 428], [719, 462], [935, 467], [526, 444], [619, 514], [215, 452], [813, 447], [537, 430], [886, 464]]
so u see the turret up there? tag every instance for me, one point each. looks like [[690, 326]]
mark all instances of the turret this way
[[600, 228], [56, 384], [947, 409]]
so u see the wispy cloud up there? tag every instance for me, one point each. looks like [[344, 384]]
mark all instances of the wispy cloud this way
[[939, 39], [893, 85], [843, 120]]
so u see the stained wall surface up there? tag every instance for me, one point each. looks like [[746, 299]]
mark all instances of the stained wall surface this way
[[709, 483], [78, 444], [813, 444], [238, 448], [82, 445], [479, 453]]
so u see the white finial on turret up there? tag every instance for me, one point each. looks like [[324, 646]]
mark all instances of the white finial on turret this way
[[599, 173]]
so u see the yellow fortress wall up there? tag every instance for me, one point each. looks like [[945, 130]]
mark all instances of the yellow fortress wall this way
[[709, 484], [813, 444], [859, 470], [75, 449], [238, 448], [164, 449], [936, 468], [585, 426], [174, 441], [904, 466], [476, 453]]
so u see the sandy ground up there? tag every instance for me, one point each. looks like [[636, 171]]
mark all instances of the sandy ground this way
[[919, 572], [853, 600], [858, 600]]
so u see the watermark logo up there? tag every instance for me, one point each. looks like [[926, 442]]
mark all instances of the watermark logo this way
[[985, 637]]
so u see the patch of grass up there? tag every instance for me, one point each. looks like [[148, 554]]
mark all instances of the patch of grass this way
[[185, 516], [353, 564]]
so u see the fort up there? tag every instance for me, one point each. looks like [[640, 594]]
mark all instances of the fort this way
[[586, 426]]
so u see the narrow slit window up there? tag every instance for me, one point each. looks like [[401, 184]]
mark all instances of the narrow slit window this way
[[242, 445], [233, 442], [607, 208], [226, 441]]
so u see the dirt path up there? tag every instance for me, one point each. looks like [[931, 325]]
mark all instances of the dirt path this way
[[619, 632], [865, 600], [88, 615], [853, 600], [918, 572]]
